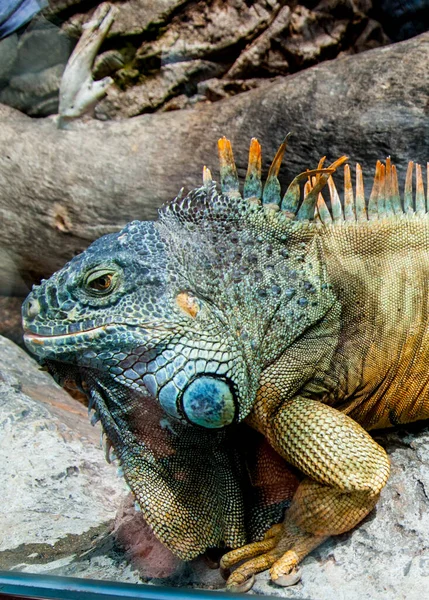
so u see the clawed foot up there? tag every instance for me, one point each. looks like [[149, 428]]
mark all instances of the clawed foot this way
[[259, 556]]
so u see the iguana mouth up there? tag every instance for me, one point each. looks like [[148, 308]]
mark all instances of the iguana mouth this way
[[46, 345]]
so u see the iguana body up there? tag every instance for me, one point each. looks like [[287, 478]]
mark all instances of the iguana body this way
[[308, 324], [381, 283]]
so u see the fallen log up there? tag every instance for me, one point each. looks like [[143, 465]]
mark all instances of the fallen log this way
[[60, 189]]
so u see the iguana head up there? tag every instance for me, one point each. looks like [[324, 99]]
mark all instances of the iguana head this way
[[168, 326]]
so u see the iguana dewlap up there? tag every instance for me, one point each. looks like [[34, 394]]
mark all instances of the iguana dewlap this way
[[244, 332]]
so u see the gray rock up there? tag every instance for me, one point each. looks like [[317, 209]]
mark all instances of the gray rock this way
[[257, 53], [247, 41], [243, 40], [135, 16], [40, 84], [219, 89], [41, 46], [154, 90], [8, 55], [107, 63], [61, 493], [210, 29], [198, 42], [34, 93], [39, 57]]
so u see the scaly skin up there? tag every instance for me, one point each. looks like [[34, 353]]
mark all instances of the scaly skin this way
[[231, 339]]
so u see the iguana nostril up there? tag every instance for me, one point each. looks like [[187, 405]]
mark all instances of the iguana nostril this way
[[31, 308]]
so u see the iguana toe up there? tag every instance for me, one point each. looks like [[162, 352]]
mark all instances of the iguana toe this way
[[248, 551], [290, 579], [285, 571]]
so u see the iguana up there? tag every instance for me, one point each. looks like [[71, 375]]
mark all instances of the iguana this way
[[238, 350]]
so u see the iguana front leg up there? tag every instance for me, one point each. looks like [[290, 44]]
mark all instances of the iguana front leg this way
[[346, 470]]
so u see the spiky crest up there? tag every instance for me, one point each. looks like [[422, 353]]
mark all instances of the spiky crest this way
[[384, 200], [205, 203]]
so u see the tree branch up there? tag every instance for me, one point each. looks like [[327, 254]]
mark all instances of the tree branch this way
[[78, 90]]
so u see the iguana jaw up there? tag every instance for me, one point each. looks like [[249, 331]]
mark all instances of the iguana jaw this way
[[155, 359], [64, 346]]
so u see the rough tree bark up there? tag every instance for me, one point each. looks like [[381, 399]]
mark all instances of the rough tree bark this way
[[61, 189]]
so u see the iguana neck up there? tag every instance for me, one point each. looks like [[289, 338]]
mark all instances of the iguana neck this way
[[369, 353]]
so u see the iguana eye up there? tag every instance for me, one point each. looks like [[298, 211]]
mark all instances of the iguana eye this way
[[101, 282]]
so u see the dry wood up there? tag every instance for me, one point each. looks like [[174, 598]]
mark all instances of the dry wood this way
[[78, 90], [60, 189]]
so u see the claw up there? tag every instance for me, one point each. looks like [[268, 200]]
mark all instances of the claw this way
[[290, 579], [243, 587], [107, 449], [95, 418]]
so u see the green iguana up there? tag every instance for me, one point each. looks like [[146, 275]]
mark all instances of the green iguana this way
[[238, 349]]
